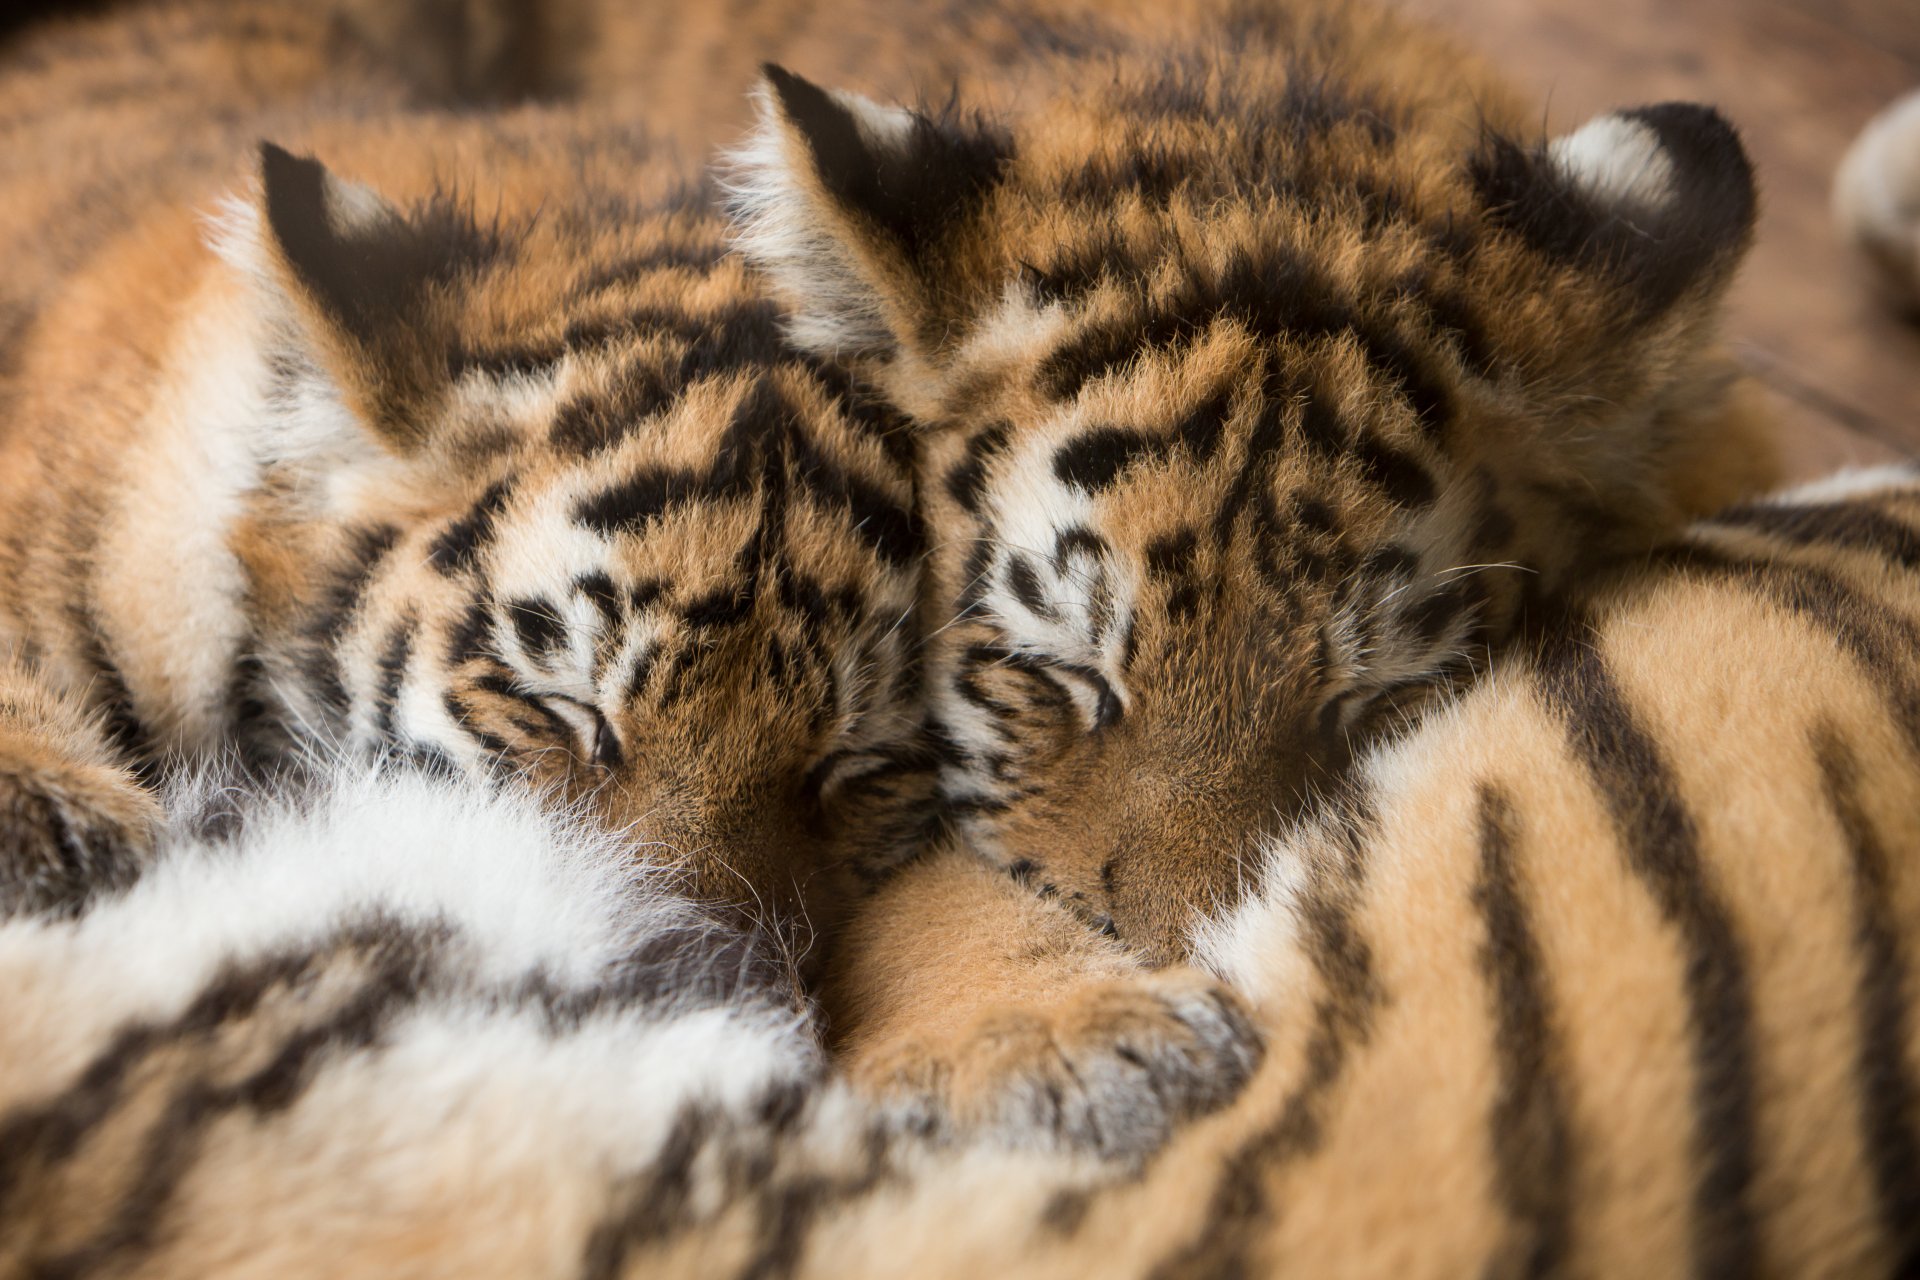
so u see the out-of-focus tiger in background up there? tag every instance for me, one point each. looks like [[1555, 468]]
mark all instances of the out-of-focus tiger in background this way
[[1604, 967], [487, 455]]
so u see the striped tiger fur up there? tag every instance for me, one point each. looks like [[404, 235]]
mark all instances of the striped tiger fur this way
[[1269, 363], [489, 455], [1603, 967]]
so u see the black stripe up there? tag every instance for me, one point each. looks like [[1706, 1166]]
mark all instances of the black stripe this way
[[730, 337], [1884, 644], [34, 1137], [651, 1202], [1889, 1099], [398, 959], [1662, 845], [459, 545], [767, 445], [392, 670], [538, 626], [330, 623], [1274, 295], [1854, 525], [667, 256], [1095, 459], [966, 480], [645, 496], [111, 698], [1240, 1212], [1531, 1143]]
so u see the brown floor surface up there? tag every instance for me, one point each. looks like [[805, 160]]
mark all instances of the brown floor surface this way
[[1799, 77]]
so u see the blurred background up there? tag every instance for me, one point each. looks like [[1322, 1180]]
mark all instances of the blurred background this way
[[1800, 78]]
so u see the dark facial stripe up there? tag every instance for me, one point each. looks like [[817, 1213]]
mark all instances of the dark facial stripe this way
[[735, 335], [1276, 296], [492, 743], [1024, 581], [1662, 847], [1889, 1097], [112, 699], [538, 626], [1093, 460], [1531, 1144], [459, 546], [391, 672], [643, 497], [1401, 475], [966, 482], [768, 451], [333, 620]]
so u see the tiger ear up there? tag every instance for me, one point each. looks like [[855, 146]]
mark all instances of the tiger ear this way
[[1660, 199], [358, 278], [854, 209]]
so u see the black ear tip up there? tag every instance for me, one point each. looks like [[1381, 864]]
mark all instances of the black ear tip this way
[[1686, 120], [799, 97], [1698, 138], [283, 173], [1711, 166]]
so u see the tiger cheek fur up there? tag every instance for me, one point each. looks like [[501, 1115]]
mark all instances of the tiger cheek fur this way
[[1259, 397]]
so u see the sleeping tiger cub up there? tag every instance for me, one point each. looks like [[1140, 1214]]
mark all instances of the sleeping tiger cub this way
[[1604, 966], [490, 456], [1268, 366]]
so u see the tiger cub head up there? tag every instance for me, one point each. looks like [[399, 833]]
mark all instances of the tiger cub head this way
[[1257, 399], [543, 495]]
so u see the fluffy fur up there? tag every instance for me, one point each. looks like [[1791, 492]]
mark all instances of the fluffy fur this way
[[1268, 365], [1606, 967], [480, 450], [1271, 382]]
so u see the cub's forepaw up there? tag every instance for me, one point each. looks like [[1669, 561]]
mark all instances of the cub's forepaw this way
[[1111, 1068], [69, 830]]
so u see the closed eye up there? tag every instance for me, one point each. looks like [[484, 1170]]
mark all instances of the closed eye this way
[[596, 739], [1090, 692]]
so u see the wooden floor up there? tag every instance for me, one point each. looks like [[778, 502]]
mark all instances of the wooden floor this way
[[1799, 77]]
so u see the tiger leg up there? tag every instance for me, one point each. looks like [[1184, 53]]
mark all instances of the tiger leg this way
[[74, 820], [970, 1003]]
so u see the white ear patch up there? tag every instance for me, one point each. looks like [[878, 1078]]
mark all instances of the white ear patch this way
[[775, 228], [784, 226], [353, 209], [886, 128], [1617, 159]]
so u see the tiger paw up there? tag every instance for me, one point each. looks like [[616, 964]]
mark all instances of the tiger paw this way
[[69, 829], [1111, 1068]]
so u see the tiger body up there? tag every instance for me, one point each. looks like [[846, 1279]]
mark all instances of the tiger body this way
[[1593, 970], [489, 456], [1565, 952]]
